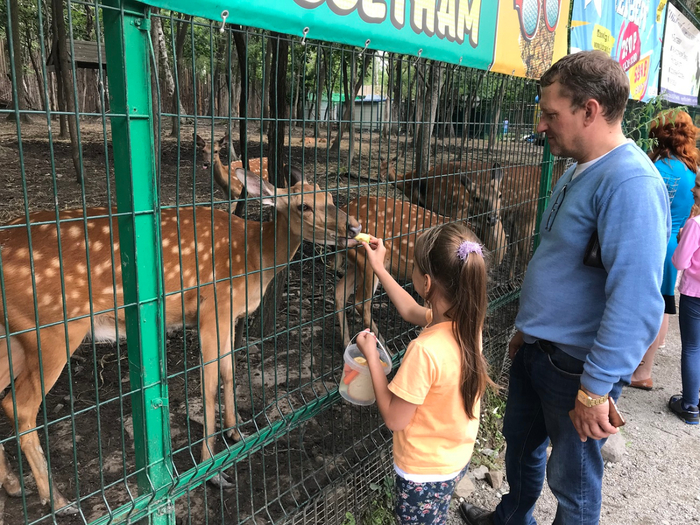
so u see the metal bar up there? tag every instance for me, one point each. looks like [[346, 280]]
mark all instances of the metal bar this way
[[545, 188], [128, 66]]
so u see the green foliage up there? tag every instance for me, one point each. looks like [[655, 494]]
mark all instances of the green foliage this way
[[639, 117], [493, 407], [381, 506]]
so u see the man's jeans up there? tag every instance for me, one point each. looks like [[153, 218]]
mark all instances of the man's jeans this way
[[544, 382]]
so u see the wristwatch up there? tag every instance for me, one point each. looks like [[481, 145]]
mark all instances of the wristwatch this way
[[589, 401]]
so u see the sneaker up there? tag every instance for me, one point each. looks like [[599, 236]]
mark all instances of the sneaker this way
[[473, 515], [688, 413]]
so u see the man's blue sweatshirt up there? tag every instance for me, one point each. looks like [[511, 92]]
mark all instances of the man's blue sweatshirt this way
[[607, 318]]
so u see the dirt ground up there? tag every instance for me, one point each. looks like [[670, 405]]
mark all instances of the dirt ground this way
[[296, 364]]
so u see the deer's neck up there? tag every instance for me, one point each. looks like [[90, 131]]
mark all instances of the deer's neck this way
[[221, 175], [279, 245]]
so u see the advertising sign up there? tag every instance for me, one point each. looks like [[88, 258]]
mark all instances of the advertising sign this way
[[680, 74], [631, 31]]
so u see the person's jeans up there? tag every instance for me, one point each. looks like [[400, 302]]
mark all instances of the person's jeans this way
[[689, 321], [542, 391]]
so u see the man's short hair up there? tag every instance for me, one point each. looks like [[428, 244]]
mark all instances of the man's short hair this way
[[591, 75]]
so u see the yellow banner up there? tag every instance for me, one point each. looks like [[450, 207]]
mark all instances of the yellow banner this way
[[528, 41]]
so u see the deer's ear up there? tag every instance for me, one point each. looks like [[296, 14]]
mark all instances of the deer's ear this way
[[466, 181], [256, 187], [223, 141], [497, 173], [295, 176], [200, 141]]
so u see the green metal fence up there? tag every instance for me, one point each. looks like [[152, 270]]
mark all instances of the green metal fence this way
[[127, 229]]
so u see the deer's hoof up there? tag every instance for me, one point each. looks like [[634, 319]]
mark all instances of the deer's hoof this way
[[221, 480], [234, 434], [68, 510], [12, 487]]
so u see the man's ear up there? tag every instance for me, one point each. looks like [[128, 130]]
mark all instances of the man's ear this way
[[592, 111]]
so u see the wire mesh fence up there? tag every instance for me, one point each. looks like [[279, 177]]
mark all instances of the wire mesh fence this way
[[180, 331]]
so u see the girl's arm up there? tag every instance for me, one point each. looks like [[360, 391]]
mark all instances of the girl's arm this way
[[405, 304], [687, 246], [396, 412]]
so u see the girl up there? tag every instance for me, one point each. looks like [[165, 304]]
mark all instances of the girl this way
[[676, 157], [687, 258], [432, 404]]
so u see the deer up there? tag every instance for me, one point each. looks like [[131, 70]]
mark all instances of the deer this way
[[459, 190], [520, 194], [221, 172], [312, 141], [209, 249], [398, 223]]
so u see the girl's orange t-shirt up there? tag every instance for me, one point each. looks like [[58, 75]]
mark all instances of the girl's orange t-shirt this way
[[440, 437]]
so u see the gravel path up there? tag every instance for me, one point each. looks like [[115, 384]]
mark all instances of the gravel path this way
[[658, 479]]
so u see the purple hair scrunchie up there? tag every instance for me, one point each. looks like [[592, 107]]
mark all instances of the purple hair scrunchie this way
[[467, 247]]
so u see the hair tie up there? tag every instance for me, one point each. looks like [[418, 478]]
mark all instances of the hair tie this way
[[467, 247]]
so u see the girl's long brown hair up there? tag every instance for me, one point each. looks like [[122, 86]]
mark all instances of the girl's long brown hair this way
[[676, 135], [463, 285]]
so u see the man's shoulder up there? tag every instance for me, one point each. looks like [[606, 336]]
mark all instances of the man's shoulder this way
[[633, 161]]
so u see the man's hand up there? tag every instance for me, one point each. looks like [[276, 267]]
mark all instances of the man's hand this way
[[592, 422], [515, 344]]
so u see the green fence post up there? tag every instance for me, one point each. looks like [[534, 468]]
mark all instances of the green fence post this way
[[545, 188], [128, 59]]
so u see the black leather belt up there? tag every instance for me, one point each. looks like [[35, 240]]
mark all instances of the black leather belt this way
[[545, 346]]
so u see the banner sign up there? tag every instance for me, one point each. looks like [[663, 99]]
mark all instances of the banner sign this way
[[631, 31], [680, 72], [542, 31], [456, 31]]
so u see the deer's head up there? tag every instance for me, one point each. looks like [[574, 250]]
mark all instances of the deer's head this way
[[484, 194], [310, 211], [208, 151]]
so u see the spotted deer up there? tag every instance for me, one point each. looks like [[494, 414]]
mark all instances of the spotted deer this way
[[313, 141], [208, 249], [520, 193], [459, 190], [399, 223], [221, 172]]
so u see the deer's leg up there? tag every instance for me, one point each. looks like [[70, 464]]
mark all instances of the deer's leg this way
[[227, 369], [343, 290], [8, 479], [28, 395], [211, 364]]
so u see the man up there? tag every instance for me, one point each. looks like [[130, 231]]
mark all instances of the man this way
[[582, 329]]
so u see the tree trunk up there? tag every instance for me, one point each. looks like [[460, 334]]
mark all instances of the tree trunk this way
[[271, 303], [180, 36], [496, 117], [386, 105], [473, 94], [278, 110], [37, 69], [425, 130], [164, 60], [266, 75], [240, 43], [367, 57], [15, 50], [64, 70], [396, 105]]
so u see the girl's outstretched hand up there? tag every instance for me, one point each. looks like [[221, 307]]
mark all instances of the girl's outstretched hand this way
[[367, 344], [375, 252]]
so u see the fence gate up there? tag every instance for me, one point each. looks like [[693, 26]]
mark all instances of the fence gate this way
[[171, 342]]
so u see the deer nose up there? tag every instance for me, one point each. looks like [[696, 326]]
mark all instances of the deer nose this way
[[354, 229], [492, 219]]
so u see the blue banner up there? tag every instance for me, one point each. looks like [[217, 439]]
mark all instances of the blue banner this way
[[631, 31]]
